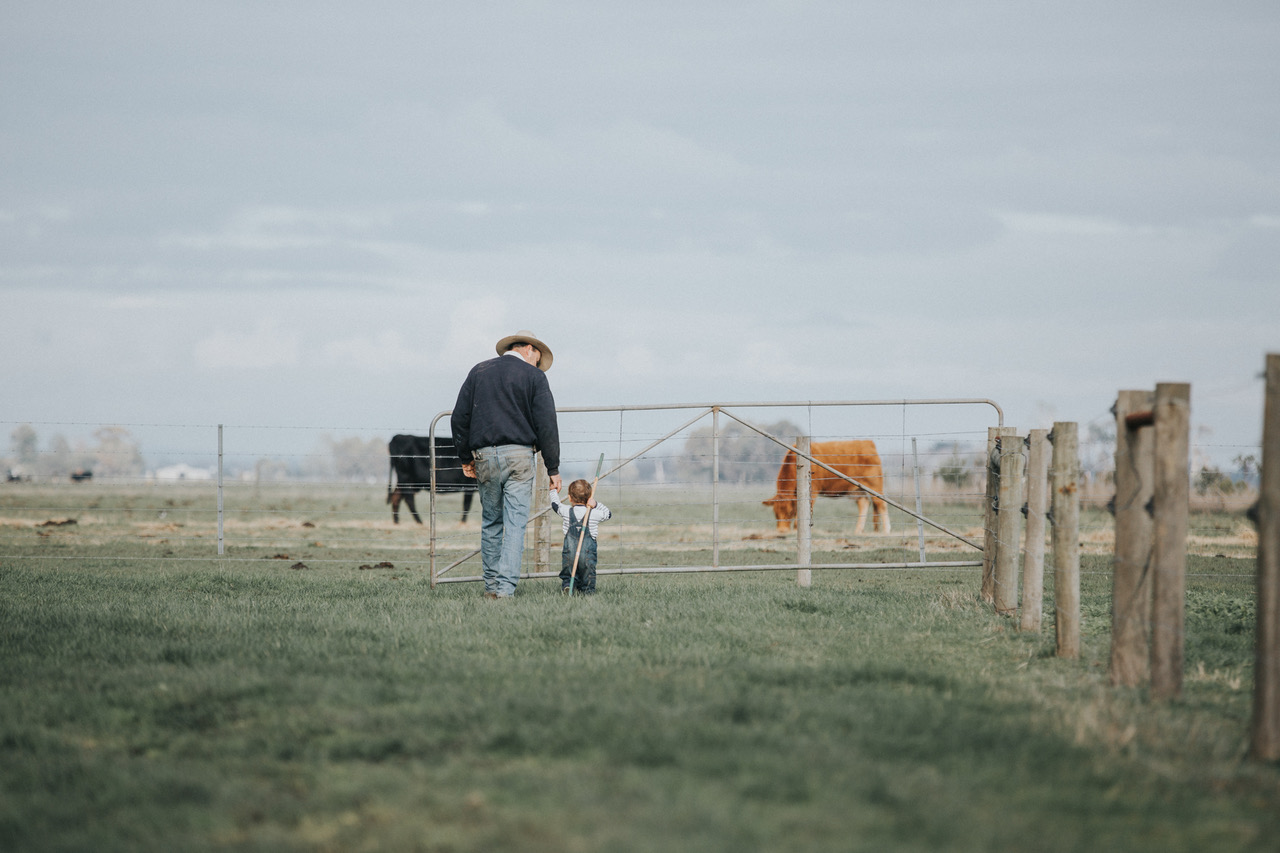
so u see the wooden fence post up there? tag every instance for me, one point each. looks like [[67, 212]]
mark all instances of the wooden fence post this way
[[990, 543], [1266, 514], [1065, 484], [989, 520], [1033, 553], [1171, 504], [1009, 524], [1130, 582], [804, 512], [542, 525]]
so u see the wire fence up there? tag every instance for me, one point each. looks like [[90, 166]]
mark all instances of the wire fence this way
[[685, 490]]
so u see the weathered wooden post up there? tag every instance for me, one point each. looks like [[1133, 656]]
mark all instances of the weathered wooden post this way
[[1065, 485], [990, 543], [1009, 524], [915, 473], [221, 545], [1036, 508], [1266, 514], [541, 525], [715, 487], [989, 520], [804, 512], [1131, 575], [1171, 504]]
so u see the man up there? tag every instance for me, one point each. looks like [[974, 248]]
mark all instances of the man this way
[[504, 415]]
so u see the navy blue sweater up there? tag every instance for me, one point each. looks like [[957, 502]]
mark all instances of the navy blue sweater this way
[[506, 400]]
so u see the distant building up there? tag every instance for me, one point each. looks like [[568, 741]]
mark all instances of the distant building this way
[[181, 471]]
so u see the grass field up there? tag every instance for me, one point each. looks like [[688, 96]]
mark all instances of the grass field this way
[[155, 697]]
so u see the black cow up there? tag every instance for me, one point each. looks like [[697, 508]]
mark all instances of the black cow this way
[[411, 471]]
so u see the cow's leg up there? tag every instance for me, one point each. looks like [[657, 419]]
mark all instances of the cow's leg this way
[[466, 504], [863, 502], [882, 515], [393, 498], [408, 501]]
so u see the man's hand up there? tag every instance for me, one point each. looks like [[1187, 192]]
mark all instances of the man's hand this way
[[469, 469], [555, 482]]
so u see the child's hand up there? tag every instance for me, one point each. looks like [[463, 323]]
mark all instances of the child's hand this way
[[591, 503]]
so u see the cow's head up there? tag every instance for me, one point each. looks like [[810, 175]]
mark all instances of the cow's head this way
[[784, 509]]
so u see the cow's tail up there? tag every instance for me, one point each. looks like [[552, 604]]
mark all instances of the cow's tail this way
[[391, 476]]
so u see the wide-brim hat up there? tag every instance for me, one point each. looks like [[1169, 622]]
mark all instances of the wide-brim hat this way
[[524, 336]]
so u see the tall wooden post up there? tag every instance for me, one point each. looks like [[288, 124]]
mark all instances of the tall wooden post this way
[[1266, 673], [989, 520], [1037, 506], [804, 512], [1171, 504], [1065, 485], [990, 542], [1131, 576], [1009, 524], [221, 544], [915, 473], [542, 524], [715, 487]]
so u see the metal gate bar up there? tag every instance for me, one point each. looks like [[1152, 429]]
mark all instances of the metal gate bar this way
[[714, 409], [770, 567]]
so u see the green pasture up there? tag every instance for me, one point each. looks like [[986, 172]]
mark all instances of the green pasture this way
[[310, 691]]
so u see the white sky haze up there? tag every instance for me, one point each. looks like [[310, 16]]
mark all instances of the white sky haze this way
[[324, 213]]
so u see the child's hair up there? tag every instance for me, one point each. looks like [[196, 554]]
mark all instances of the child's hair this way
[[579, 491]]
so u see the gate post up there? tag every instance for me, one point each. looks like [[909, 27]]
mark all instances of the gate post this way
[[1037, 503], [804, 512], [1131, 586], [1171, 500], [220, 539], [541, 533], [1066, 537], [715, 487], [1266, 514], [990, 542], [915, 473], [1009, 524]]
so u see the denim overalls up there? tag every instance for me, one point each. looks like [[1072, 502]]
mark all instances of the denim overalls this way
[[586, 576]]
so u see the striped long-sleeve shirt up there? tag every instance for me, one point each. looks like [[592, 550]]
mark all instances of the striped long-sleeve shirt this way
[[599, 513]]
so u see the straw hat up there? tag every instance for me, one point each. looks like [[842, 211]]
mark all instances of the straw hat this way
[[524, 336]]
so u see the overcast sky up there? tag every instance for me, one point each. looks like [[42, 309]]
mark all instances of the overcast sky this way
[[321, 214]]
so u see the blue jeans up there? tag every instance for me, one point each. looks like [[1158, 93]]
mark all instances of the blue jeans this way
[[505, 474]]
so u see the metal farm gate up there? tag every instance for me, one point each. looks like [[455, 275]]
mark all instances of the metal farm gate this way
[[540, 520]]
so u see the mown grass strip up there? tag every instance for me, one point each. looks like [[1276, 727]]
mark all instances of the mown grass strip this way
[[245, 705]]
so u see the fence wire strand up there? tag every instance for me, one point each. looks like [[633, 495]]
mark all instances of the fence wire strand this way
[[277, 483]]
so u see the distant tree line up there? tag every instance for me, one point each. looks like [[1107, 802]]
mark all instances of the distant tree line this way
[[333, 460], [745, 457], [348, 460], [114, 453]]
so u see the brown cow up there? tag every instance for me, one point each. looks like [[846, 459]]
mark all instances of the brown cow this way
[[856, 458]]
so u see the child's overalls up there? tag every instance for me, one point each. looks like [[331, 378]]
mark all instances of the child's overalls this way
[[586, 576]]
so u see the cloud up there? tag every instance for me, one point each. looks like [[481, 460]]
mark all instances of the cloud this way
[[265, 347], [471, 329], [380, 353], [1059, 225]]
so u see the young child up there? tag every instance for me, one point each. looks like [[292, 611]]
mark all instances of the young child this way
[[581, 507]]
